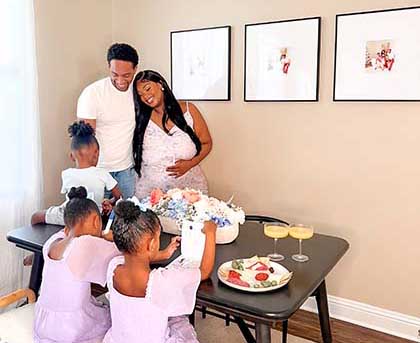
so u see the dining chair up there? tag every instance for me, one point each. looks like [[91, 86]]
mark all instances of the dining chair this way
[[16, 325], [263, 219]]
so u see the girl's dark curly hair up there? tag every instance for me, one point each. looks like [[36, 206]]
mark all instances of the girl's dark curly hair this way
[[81, 134], [130, 224], [172, 111], [78, 207]]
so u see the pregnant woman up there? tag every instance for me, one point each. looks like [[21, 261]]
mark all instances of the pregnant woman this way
[[170, 140]]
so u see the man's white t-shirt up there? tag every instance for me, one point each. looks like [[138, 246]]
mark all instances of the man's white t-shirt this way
[[94, 179], [115, 122]]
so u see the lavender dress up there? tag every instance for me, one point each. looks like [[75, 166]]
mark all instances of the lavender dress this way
[[160, 151], [159, 316], [65, 311]]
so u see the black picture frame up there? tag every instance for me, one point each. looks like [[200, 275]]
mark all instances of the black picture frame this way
[[339, 92], [178, 78], [315, 66]]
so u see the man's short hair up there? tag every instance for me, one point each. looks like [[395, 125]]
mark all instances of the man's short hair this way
[[123, 52]]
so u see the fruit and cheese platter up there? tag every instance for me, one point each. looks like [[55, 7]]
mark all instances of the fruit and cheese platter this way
[[255, 274]]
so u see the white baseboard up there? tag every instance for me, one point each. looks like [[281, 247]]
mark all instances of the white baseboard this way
[[371, 317]]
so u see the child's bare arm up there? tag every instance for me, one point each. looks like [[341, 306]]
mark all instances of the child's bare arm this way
[[207, 263], [166, 253], [107, 204]]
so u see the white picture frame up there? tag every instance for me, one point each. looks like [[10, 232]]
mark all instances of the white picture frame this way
[[377, 57], [282, 60], [200, 64]]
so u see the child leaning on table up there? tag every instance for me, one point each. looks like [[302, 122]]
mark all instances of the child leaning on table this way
[[74, 257], [85, 153], [149, 305]]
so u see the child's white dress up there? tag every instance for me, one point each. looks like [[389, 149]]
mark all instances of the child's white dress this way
[[159, 317], [65, 311]]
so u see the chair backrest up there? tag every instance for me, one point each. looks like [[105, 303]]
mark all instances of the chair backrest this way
[[263, 219]]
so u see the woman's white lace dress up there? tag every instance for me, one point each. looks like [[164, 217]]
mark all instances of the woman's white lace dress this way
[[160, 151]]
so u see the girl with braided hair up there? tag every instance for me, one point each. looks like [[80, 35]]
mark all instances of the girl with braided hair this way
[[150, 305], [85, 153], [74, 257]]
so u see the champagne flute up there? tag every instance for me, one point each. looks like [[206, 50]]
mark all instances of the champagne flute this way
[[300, 232], [276, 230]]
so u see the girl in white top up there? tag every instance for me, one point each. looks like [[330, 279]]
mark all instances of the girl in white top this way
[[84, 152], [170, 139]]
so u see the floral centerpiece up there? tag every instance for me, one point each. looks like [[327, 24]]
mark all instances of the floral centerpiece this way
[[179, 205]]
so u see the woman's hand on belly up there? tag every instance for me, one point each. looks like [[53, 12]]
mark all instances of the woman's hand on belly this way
[[179, 168]]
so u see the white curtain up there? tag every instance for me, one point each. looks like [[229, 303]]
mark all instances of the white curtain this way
[[20, 147]]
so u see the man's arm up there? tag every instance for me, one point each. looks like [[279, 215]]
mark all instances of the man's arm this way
[[87, 106]]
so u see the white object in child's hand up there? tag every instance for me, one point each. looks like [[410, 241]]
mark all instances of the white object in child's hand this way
[[193, 240], [109, 223]]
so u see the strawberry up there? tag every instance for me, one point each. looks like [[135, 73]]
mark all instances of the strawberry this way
[[261, 276], [234, 275]]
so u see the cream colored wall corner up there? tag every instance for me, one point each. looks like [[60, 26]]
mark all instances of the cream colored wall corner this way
[[72, 38], [351, 169]]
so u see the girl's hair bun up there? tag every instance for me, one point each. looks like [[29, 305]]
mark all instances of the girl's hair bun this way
[[77, 192], [127, 210], [80, 129]]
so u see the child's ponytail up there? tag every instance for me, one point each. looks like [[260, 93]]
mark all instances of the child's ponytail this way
[[81, 134], [78, 207], [130, 224]]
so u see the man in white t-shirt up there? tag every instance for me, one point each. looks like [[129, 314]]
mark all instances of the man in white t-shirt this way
[[107, 105]]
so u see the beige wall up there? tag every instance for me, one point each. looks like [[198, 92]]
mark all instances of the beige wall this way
[[351, 169], [72, 38]]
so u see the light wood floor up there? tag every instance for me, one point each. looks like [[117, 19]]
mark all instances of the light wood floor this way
[[303, 328]]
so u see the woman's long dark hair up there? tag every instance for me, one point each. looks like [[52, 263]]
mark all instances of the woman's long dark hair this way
[[172, 111]]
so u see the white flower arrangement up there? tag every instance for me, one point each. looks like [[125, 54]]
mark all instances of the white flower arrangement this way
[[189, 204]]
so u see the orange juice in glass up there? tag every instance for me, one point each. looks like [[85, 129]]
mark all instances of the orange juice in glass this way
[[276, 230], [300, 232]]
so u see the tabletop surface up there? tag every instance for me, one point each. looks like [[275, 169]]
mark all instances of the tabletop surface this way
[[324, 252]]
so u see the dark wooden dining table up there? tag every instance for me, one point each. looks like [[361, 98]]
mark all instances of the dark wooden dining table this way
[[266, 310]]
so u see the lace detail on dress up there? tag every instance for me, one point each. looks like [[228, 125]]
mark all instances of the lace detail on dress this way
[[161, 150]]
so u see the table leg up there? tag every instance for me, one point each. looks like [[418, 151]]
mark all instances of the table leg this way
[[324, 316], [36, 272], [262, 333], [191, 318], [284, 331], [244, 330]]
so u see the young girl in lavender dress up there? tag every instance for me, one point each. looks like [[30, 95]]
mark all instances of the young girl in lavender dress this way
[[150, 305], [65, 311]]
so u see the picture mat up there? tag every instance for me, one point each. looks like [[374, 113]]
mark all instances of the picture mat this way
[[200, 64], [353, 32], [300, 37]]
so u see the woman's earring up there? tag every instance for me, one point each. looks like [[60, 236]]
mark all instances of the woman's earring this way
[[162, 89]]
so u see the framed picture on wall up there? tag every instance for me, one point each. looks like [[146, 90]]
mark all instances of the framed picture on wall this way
[[200, 64], [282, 60], [377, 56]]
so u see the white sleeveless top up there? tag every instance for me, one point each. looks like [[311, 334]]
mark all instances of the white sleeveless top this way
[[161, 150]]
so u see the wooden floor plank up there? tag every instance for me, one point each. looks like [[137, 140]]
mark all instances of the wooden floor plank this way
[[306, 325]]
